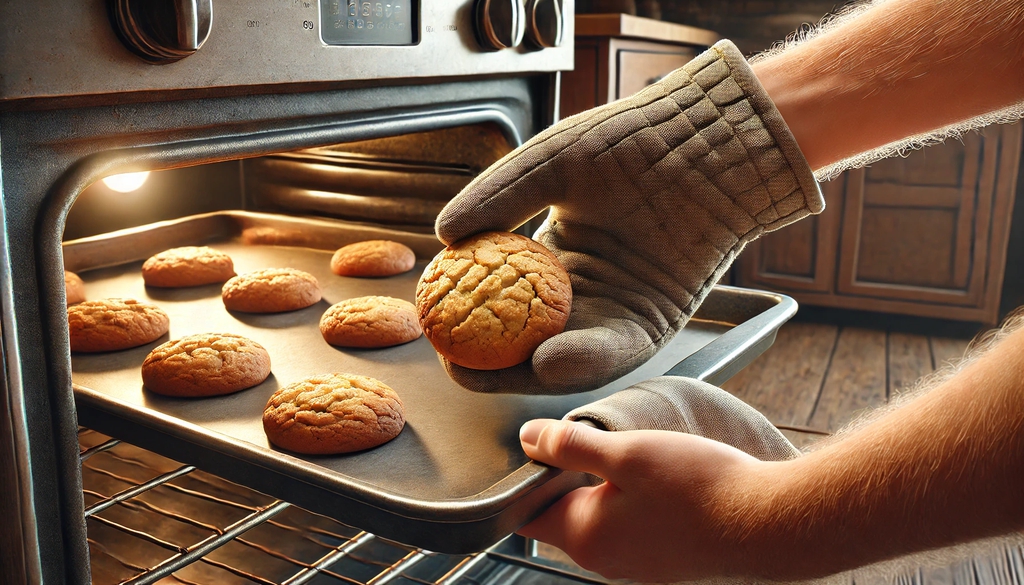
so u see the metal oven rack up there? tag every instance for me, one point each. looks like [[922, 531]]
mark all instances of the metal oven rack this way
[[151, 519]]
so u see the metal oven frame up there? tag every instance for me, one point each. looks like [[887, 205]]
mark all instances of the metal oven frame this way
[[49, 155]]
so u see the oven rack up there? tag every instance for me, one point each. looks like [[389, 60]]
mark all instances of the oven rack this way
[[132, 496], [151, 519]]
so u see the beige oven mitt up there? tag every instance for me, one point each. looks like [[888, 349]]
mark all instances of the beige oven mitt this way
[[651, 198], [685, 405]]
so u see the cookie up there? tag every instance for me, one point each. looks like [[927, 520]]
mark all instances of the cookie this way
[[187, 266], [273, 290], [207, 364], [333, 413], [370, 322], [113, 324], [373, 258], [74, 288], [488, 301]]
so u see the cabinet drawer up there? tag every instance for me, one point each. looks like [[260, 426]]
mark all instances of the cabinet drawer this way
[[639, 68]]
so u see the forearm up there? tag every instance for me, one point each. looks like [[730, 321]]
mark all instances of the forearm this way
[[899, 69], [943, 469]]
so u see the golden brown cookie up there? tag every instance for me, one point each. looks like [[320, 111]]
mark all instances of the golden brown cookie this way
[[74, 288], [488, 301], [187, 266], [373, 258], [333, 413], [207, 364], [273, 290], [370, 322], [113, 324]]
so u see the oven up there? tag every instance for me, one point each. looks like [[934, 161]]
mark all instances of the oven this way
[[279, 131]]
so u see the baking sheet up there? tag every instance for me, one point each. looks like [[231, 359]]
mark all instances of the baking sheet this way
[[456, 464]]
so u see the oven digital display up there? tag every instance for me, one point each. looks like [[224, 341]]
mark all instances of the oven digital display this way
[[356, 22]]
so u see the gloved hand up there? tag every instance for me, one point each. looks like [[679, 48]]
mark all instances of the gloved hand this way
[[685, 405], [651, 198]]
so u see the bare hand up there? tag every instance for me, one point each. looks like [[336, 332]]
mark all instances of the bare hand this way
[[674, 506]]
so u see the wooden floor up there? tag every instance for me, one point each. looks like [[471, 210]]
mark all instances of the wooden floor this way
[[822, 376]]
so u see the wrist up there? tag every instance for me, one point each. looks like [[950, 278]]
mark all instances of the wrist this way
[[787, 181], [758, 521], [803, 103]]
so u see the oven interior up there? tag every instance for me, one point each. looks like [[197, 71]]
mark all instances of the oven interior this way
[[245, 116], [399, 182], [150, 518]]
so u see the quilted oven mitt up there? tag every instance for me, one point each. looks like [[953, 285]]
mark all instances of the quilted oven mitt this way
[[651, 198], [685, 405]]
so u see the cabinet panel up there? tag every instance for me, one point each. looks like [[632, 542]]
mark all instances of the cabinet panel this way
[[924, 235], [930, 166], [581, 89], [900, 245], [640, 67], [792, 251], [896, 246], [801, 256]]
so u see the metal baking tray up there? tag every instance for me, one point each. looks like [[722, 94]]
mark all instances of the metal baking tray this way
[[455, 480]]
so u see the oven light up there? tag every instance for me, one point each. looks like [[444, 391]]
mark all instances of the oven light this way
[[126, 182]]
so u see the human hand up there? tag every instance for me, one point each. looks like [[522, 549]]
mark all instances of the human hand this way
[[651, 198], [680, 493], [674, 506]]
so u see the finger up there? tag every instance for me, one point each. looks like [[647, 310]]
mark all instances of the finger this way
[[568, 363], [497, 200], [563, 520], [572, 446], [584, 359], [518, 379], [520, 185]]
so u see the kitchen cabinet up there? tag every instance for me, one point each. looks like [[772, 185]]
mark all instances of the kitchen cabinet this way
[[923, 235], [618, 54]]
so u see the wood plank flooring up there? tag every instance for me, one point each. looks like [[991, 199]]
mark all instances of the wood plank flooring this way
[[817, 378], [822, 376]]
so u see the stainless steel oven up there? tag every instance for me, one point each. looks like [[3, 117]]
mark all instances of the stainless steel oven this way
[[279, 130]]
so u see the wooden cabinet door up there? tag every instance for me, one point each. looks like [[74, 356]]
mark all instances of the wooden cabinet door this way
[[931, 227], [585, 87], [923, 235], [800, 256]]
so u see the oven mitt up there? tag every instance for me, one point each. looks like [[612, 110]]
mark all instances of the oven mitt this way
[[651, 198], [686, 405]]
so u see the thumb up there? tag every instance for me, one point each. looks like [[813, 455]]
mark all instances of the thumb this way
[[514, 189], [487, 205], [570, 445]]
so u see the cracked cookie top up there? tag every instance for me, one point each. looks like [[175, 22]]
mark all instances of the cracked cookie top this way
[[187, 266], [373, 321], [488, 301], [114, 324], [206, 364], [271, 290], [333, 413]]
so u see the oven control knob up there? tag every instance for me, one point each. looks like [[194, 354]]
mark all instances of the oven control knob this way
[[499, 24], [544, 23], [162, 31]]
